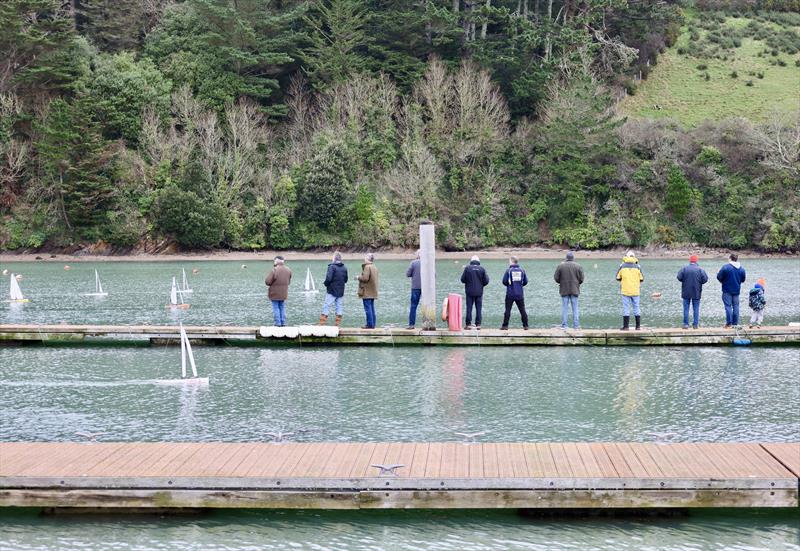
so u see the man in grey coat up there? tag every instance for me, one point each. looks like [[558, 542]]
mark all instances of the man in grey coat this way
[[569, 276], [415, 273]]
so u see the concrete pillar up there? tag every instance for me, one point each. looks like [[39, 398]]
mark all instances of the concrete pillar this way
[[427, 257]]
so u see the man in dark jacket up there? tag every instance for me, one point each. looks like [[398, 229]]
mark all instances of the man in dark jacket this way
[[569, 276], [334, 282], [515, 279], [731, 276], [692, 278], [278, 282], [474, 279], [414, 271]]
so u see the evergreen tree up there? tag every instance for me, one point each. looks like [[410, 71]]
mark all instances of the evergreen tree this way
[[112, 25]]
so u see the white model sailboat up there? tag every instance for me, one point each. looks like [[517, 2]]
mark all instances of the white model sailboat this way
[[185, 283], [186, 353], [15, 293], [174, 295], [309, 286], [98, 287]]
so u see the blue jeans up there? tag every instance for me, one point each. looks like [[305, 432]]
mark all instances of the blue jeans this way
[[369, 310], [412, 314], [279, 312], [695, 311], [565, 302], [627, 302], [731, 303], [330, 299]]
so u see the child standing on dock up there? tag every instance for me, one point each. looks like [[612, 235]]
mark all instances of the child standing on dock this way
[[757, 303]]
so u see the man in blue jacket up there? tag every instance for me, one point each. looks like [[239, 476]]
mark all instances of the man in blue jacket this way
[[335, 278], [474, 279], [515, 279], [692, 278], [731, 276]]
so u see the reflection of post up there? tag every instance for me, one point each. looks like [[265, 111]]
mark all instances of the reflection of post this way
[[427, 256]]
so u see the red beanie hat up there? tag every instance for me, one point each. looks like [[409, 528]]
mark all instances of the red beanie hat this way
[[693, 258]]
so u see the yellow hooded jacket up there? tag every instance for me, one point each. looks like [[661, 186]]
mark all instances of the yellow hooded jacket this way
[[630, 276]]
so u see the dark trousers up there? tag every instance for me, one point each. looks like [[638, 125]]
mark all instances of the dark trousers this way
[[520, 302], [412, 313], [478, 302]]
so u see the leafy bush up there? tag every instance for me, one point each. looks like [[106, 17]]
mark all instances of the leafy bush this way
[[678, 193], [326, 188], [192, 221]]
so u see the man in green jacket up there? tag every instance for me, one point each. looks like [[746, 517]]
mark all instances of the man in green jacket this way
[[368, 289], [569, 276]]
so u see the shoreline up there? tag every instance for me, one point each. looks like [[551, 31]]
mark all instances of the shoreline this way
[[498, 253]]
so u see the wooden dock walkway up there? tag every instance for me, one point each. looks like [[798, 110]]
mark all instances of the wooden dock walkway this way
[[428, 475], [311, 335]]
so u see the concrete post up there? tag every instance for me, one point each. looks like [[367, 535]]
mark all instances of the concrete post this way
[[427, 257]]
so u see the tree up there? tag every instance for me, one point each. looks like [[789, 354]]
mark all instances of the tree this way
[[74, 167], [226, 49], [119, 88], [36, 37], [112, 25], [326, 189], [337, 41]]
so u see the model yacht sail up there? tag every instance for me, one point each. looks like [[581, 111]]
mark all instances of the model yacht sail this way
[[185, 283], [14, 292], [98, 287], [309, 286], [176, 297]]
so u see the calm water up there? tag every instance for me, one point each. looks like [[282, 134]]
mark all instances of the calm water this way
[[402, 394]]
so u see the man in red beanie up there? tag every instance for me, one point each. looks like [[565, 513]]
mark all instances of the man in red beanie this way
[[692, 278]]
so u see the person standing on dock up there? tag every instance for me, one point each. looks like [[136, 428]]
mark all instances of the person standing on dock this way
[[335, 278], [515, 279], [278, 283], [757, 303], [414, 271], [368, 289], [630, 279], [569, 276], [474, 279], [692, 278], [731, 276]]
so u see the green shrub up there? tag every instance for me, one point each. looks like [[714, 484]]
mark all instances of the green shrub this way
[[192, 221], [678, 193]]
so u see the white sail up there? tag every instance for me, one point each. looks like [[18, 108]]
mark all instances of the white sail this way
[[173, 294], [184, 282], [309, 285], [98, 287], [186, 351], [15, 292]]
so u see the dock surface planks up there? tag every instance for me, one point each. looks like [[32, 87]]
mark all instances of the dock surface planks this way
[[433, 475], [390, 336]]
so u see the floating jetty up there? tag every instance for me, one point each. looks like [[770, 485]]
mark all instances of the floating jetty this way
[[449, 475], [329, 335]]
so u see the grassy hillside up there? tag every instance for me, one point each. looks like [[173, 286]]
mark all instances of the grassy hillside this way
[[724, 67]]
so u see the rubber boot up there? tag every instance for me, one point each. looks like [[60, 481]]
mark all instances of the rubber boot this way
[[638, 322], [626, 322], [338, 320], [323, 319]]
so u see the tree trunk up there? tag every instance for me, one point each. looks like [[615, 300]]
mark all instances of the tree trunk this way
[[485, 21], [525, 9]]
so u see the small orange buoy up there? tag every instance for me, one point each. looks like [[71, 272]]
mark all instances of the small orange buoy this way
[[19, 277], [195, 271], [66, 267], [656, 295]]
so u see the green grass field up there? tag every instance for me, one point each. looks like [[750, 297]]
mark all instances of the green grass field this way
[[676, 88]]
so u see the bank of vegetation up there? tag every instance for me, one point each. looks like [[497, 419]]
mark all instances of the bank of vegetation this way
[[254, 124]]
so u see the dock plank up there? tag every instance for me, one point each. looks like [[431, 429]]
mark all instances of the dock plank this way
[[787, 453]]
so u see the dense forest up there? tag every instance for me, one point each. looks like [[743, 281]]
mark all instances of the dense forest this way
[[253, 124]]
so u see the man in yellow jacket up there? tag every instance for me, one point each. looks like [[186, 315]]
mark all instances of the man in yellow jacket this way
[[630, 278]]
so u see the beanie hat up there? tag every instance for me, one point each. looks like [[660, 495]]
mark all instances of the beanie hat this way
[[693, 258], [761, 282], [570, 255], [758, 286]]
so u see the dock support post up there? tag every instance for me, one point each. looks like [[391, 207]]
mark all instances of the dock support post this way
[[427, 257]]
